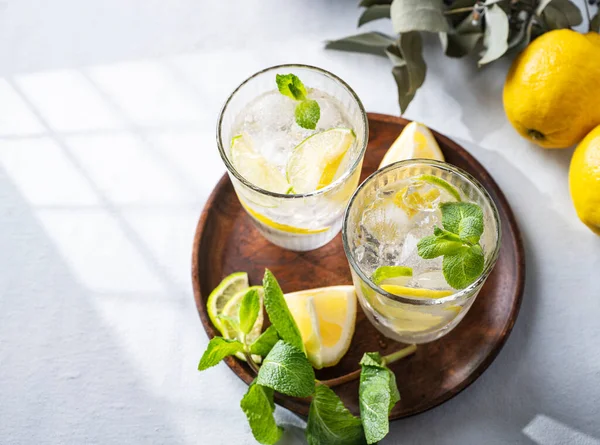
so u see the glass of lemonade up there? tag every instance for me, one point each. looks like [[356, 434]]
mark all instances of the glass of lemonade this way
[[293, 139], [421, 238]]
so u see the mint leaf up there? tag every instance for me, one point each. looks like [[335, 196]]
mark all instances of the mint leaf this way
[[289, 85], [377, 394], [258, 406], [330, 422], [463, 268], [218, 348], [287, 370], [249, 308], [434, 246], [263, 344], [454, 212], [279, 314], [307, 114], [471, 228]]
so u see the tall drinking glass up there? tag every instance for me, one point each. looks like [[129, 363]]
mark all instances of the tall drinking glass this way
[[387, 216], [259, 140]]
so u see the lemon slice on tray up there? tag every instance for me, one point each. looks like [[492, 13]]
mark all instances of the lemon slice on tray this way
[[220, 296], [415, 141], [326, 318], [315, 162]]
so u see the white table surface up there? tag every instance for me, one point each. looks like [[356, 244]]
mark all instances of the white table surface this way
[[107, 155]]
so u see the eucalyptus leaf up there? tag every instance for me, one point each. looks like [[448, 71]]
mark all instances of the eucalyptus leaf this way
[[522, 37], [367, 3], [541, 6], [595, 23], [418, 15], [560, 14], [374, 12], [409, 67], [495, 38], [463, 39], [368, 42]]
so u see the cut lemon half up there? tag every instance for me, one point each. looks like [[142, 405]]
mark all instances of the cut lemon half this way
[[279, 226], [326, 318], [219, 297], [314, 163], [255, 168], [415, 292], [415, 141]]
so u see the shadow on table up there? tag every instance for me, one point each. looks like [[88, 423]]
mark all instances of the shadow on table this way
[[65, 379]]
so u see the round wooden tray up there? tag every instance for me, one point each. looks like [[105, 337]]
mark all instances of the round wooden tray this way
[[226, 241]]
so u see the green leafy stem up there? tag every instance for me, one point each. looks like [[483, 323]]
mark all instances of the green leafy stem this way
[[286, 369], [492, 29]]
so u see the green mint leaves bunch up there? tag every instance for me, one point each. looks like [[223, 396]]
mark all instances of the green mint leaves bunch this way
[[307, 112], [457, 242], [286, 369]]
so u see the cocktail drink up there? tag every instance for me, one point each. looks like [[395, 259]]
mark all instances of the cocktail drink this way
[[293, 139], [421, 238]]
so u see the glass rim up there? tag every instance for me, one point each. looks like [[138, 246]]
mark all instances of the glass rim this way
[[347, 174], [489, 264]]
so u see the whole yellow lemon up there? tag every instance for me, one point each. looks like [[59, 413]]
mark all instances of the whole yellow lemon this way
[[584, 180], [552, 91]]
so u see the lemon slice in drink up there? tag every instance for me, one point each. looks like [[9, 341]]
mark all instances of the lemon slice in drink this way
[[326, 318], [415, 292], [219, 297], [279, 226], [314, 163], [255, 168], [415, 141]]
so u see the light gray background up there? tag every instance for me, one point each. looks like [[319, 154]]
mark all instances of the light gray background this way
[[107, 155]]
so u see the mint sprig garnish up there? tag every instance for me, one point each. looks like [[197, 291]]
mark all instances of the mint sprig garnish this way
[[330, 422], [307, 112], [286, 369], [258, 405], [378, 394], [457, 242]]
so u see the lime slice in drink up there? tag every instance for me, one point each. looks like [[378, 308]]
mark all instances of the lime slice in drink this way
[[314, 163], [219, 297], [398, 275], [255, 168], [415, 292], [439, 182]]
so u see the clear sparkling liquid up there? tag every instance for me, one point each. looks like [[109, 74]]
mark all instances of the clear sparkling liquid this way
[[392, 225], [270, 123]]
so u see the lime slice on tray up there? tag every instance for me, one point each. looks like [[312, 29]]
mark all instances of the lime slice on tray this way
[[255, 168], [314, 163], [231, 312], [219, 297]]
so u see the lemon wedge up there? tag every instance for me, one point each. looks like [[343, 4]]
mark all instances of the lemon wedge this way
[[326, 318], [415, 141], [315, 162]]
